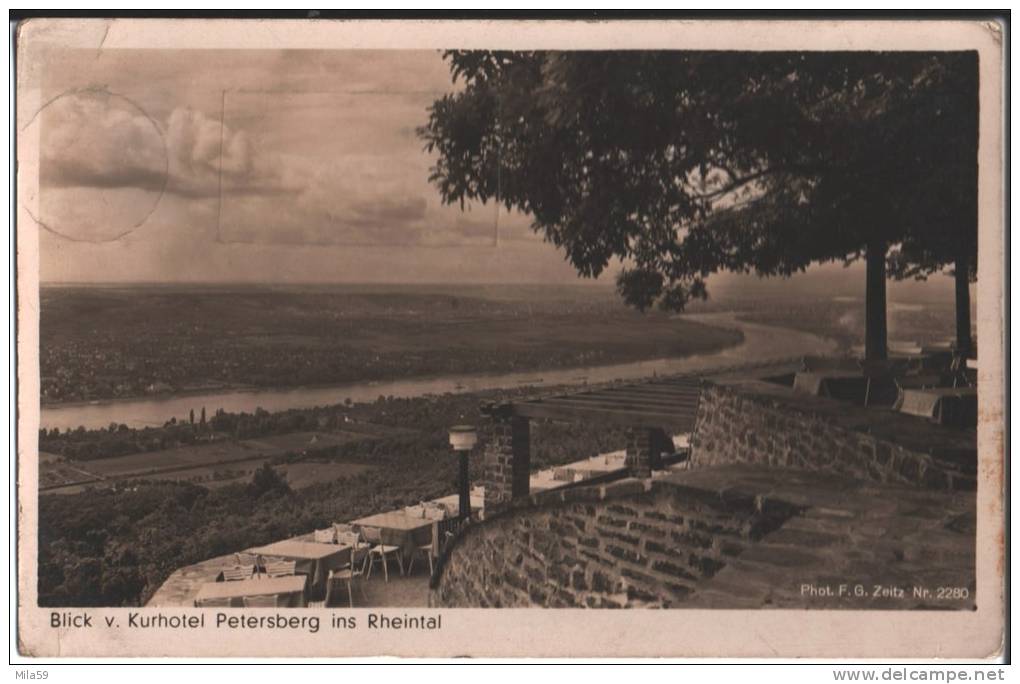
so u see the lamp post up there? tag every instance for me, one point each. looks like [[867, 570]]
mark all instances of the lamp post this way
[[463, 439]]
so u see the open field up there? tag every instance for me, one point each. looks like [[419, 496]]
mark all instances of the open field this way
[[106, 342], [212, 464], [298, 475]]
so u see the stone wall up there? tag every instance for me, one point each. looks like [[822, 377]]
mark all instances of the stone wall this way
[[756, 423], [784, 498], [629, 543], [731, 536]]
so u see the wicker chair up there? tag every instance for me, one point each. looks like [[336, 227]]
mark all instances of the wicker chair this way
[[245, 559], [326, 536], [237, 573], [281, 568]]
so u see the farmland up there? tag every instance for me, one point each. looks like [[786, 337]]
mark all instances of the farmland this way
[[128, 341], [210, 464]]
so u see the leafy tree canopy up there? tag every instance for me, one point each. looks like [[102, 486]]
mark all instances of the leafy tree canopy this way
[[681, 164]]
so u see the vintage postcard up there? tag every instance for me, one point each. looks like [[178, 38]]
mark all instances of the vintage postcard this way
[[510, 338]]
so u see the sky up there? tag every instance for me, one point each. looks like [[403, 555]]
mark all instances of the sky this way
[[264, 166], [268, 166]]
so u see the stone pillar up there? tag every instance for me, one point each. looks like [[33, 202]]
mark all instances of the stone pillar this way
[[507, 457], [645, 447]]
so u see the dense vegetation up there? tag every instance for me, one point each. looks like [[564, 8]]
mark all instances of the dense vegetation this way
[[116, 546], [99, 343]]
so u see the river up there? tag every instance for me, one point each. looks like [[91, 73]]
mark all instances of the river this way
[[761, 343]]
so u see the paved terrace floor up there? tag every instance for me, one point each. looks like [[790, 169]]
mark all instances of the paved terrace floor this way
[[850, 532]]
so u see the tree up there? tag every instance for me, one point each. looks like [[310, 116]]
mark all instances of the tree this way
[[681, 164], [946, 234], [266, 480]]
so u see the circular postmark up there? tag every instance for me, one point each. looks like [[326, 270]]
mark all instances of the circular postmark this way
[[103, 165]]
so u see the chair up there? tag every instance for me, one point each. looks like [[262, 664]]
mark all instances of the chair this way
[[239, 572], [373, 535], [343, 528], [961, 370], [359, 549], [324, 603], [442, 532], [260, 601], [429, 551], [245, 559], [345, 574], [916, 382], [281, 568], [326, 536], [414, 511], [435, 512], [881, 371], [359, 553], [349, 539]]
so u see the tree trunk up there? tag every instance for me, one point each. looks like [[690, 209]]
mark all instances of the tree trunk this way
[[963, 341], [874, 319]]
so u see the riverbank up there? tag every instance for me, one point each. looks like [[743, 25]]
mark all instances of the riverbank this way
[[759, 343]]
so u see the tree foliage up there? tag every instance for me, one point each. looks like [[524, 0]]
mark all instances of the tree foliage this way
[[681, 164]]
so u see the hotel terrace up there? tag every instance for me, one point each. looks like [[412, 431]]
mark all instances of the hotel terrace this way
[[732, 482]]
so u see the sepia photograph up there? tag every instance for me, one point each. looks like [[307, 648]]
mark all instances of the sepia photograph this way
[[328, 333]]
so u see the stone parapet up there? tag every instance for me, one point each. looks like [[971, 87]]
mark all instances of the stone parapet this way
[[760, 424], [727, 537]]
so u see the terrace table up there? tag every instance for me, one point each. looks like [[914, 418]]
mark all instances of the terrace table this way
[[289, 591], [451, 503], [836, 384], [399, 529], [314, 559], [943, 405]]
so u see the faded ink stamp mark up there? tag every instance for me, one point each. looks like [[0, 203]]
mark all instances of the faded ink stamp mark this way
[[103, 165]]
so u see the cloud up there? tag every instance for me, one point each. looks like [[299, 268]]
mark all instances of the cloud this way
[[329, 159], [97, 139], [93, 138], [208, 158]]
